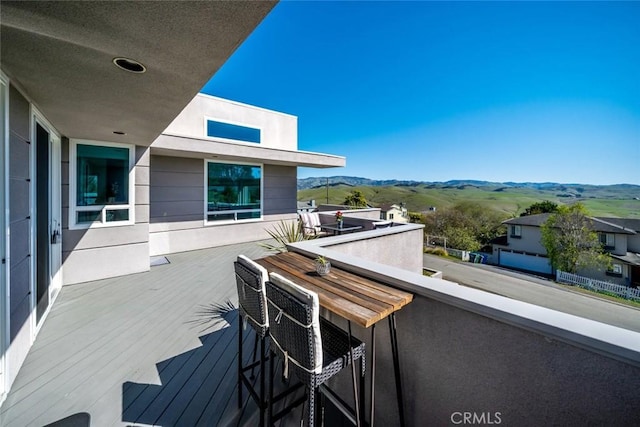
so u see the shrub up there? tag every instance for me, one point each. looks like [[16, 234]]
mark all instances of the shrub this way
[[435, 251]]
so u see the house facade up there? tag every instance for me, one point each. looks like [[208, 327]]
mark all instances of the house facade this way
[[394, 212], [620, 238], [110, 156]]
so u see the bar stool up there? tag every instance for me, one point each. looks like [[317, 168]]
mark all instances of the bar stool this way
[[252, 308], [313, 348]]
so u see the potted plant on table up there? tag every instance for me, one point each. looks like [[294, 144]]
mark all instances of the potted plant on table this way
[[323, 266], [339, 219]]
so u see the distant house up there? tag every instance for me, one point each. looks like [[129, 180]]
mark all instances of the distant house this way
[[396, 213], [620, 237], [309, 206]]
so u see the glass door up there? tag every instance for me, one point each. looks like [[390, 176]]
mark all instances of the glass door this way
[[42, 203], [47, 209], [4, 283]]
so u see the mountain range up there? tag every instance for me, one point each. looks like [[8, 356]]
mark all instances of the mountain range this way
[[571, 190]]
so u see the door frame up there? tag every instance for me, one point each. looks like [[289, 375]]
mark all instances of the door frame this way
[[4, 234], [54, 208]]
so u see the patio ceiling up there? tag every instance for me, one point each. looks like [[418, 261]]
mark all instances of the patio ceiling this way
[[61, 55]]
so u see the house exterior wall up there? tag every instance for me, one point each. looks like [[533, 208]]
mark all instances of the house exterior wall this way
[[620, 247], [448, 376], [99, 253], [278, 130], [19, 223], [402, 250], [623, 279], [530, 241], [177, 206], [633, 243]]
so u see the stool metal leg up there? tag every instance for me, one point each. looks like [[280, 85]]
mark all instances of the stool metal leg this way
[[356, 401], [262, 384], [255, 353], [396, 365], [373, 373], [239, 362], [270, 404]]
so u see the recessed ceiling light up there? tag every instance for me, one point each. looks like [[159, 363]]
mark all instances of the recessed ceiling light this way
[[119, 132], [130, 65]]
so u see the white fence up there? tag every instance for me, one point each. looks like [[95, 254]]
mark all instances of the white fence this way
[[598, 285], [463, 255]]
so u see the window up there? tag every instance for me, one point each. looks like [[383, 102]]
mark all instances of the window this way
[[217, 129], [608, 240], [233, 192], [101, 184], [516, 231], [615, 270]]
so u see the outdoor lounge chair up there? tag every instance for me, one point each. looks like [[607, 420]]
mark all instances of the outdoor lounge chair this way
[[310, 223], [382, 224], [313, 348]]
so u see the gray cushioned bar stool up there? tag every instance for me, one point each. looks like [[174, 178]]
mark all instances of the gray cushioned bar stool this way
[[252, 308], [312, 348]]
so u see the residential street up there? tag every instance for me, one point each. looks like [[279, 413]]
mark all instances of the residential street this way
[[535, 290]]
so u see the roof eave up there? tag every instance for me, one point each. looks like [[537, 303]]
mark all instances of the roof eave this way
[[180, 146]]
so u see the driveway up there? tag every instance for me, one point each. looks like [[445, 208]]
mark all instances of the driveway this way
[[535, 290]]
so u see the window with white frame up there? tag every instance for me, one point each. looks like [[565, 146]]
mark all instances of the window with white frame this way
[[233, 192], [615, 269], [516, 231], [101, 178], [608, 240]]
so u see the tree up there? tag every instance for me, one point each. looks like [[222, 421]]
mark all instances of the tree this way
[[416, 218], [570, 241], [540, 208], [355, 199], [467, 226]]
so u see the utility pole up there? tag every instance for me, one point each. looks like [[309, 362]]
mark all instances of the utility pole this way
[[327, 190]]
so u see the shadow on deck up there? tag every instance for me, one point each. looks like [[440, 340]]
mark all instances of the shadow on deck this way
[[156, 348]]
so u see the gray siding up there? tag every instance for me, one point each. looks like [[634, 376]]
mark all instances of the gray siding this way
[[19, 215], [177, 206], [99, 253], [280, 189], [177, 189]]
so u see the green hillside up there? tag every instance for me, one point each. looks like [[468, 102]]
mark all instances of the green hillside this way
[[512, 200]]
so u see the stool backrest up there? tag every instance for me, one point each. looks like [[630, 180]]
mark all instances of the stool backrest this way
[[295, 323], [252, 300]]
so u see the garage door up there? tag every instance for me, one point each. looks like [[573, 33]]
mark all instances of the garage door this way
[[525, 262]]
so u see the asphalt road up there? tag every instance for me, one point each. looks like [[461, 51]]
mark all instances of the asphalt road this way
[[535, 290]]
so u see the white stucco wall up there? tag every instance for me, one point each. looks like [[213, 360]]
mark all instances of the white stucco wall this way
[[278, 130]]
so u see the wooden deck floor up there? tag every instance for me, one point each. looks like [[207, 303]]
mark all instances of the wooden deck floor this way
[[145, 349]]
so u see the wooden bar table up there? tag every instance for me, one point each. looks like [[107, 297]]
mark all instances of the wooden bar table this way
[[353, 297]]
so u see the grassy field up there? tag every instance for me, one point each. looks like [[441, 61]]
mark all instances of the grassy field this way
[[511, 201]]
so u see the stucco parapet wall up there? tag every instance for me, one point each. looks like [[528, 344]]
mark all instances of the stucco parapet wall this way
[[180, 146], [611, 341]]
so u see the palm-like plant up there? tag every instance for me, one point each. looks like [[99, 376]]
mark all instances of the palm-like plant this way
[[283, 233]]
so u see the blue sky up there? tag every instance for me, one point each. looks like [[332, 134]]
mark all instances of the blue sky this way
[[433, 91]]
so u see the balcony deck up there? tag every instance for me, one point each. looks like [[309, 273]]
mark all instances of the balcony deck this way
[[144, 349]]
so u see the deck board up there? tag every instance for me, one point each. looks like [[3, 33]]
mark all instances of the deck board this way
[[113, 343], [144, 349]]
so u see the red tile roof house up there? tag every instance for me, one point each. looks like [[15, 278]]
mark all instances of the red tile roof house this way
[[108, 155]]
